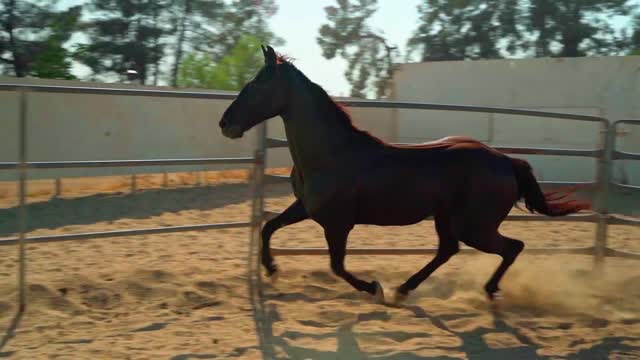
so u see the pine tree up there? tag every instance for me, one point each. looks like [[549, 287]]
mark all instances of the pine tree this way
[[370, 57], [231, 72], [32, 38], [124, 35], [466, 29], [209, 29], [193, 20], [573, 28], [635, 38]]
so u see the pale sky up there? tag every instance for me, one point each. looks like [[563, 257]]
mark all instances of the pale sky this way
[[298, 21]]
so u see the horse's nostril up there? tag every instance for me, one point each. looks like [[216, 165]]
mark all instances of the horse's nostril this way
[[223, 123]]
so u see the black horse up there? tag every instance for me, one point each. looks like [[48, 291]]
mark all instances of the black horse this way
[[344, 176]]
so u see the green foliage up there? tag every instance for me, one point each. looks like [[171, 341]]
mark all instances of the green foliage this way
[[231, 72], [212, 28], [32, 38], [465, 29], [573, 28], [475, 29], [189, 18], [635, 38], [370, 58], [125, 35], [142, 35], [53, 62], [239, 18]]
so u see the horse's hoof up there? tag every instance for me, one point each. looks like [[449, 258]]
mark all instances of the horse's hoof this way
[[399, 297], [273, 277], [379, 293], [494, 296]]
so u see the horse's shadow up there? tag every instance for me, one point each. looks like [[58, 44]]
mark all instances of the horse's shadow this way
[[471, 344]]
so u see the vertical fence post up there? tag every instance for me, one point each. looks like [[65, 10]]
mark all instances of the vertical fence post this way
[[257, 196], [395, 114], [490, 128], [22, 215], [165, 179], [602, 195], [254, 277], [58, 190], [134, 183]]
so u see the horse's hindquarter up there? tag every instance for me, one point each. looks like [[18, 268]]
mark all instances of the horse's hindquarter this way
[[406, 185]]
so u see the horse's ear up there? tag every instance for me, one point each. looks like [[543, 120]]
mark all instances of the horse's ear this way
[[270, 57], [264, 51]]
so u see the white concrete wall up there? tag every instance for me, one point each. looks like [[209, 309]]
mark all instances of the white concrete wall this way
[[100, 127], [105, 127], [109, 127], [603, 86]]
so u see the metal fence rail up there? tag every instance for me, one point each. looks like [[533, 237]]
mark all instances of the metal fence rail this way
[[621, 155], [121, 233], [124, 163], [116, 91]]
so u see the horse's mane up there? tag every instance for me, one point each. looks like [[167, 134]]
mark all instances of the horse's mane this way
[[325, 100]]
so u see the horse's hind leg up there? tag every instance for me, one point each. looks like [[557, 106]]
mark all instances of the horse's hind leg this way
[[508, 249], [337, 242], [293, 214], [495, 243], [447, 247]]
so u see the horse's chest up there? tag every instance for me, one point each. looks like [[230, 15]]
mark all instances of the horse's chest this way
[[326, 194]]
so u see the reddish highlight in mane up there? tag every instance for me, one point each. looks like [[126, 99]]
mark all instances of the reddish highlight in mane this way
[[283, 59]]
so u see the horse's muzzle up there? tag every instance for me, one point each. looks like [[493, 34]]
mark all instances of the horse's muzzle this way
[[232, 132]]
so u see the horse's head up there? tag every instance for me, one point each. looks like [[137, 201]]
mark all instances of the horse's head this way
[[262, 98]]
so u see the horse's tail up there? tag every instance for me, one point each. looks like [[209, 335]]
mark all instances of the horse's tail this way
[[549, 204]]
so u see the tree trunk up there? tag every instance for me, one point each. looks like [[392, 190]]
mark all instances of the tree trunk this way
[[156, 44], [180, 43], [19, 67], [571, 35]]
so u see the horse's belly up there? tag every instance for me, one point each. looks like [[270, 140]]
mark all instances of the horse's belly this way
[[395, 206]]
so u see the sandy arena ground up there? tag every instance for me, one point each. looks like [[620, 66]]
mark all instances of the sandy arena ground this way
[[184, 295]]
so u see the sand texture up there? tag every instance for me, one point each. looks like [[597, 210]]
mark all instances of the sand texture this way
[[184, 295]]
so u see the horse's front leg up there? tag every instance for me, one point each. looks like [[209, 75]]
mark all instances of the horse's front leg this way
[[293, 214], [337, 241]]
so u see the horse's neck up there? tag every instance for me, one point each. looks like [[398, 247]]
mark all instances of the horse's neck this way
[[317, 137]]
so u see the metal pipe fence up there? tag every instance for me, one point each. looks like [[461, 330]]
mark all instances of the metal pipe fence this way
[[605, 155], [23, 165]]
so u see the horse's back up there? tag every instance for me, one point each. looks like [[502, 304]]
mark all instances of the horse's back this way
[[408, 183]]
